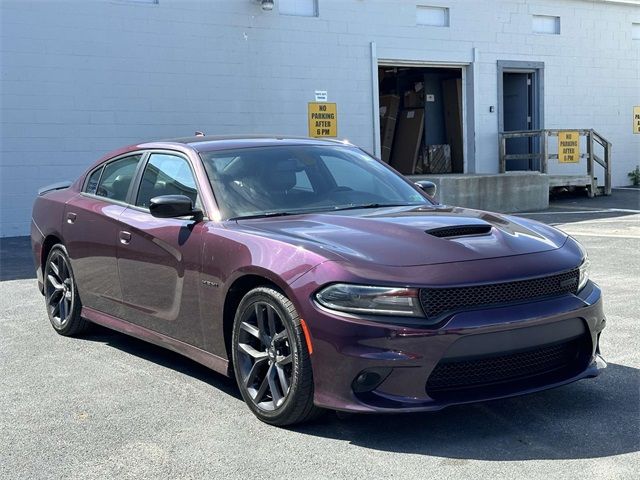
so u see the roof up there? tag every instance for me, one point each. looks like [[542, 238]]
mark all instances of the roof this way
[[208, 143]]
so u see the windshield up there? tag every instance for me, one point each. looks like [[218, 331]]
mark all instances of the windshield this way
[[265, 181]]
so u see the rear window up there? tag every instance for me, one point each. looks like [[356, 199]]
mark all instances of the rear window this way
[[116, 178]]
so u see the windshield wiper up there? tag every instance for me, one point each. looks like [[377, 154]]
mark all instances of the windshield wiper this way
[[327, 209], [263, 215], [284, 213], [372, 205]]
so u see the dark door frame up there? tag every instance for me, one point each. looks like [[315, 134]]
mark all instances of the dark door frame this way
[[537, 69]]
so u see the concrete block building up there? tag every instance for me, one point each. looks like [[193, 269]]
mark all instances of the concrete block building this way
[[79, 78]]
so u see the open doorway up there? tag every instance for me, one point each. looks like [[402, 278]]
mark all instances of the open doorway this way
[[520, 97], [421, 119]]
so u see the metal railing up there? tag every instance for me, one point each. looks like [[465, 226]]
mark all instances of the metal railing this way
[[541, 153]]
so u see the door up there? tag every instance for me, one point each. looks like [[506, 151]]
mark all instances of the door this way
[[159, 259], [518, 115], [90, 231]]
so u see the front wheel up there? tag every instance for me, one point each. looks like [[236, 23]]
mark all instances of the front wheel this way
[[61, 294], [271, 360]]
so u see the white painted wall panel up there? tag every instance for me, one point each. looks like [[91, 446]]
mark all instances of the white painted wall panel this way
[[79, 78]]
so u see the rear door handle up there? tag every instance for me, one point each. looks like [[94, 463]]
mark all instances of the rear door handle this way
[[71, 217], [125, 237]]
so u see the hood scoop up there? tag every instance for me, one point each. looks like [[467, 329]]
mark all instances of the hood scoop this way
[[459, 231]]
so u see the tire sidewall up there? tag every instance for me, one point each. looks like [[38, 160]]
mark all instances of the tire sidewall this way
[[59, 249], [292, 324]]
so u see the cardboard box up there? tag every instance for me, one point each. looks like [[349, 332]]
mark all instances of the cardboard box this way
[[408, 139], [452, 97], [389, 105], [413, 99], [437, 159]]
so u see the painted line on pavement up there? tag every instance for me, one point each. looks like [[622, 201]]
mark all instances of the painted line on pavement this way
[[608, 210], [603, 235]]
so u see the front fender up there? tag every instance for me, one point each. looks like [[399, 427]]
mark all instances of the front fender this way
[[229, 255]]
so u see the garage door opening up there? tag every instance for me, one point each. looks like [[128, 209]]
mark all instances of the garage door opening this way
[[421, 119]]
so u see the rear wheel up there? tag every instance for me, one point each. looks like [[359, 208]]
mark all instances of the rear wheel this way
[[271, 360], [61, 295]]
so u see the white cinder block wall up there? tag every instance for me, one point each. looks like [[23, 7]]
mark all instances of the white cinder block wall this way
[[82, 77]]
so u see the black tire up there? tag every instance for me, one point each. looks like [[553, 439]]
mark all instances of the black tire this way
[[269, 354], [61, 294]]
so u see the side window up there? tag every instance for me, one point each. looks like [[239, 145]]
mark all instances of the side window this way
[[117, 177], [348, 174], [92, 182], [302, 182], [166, 175], [351, 176]]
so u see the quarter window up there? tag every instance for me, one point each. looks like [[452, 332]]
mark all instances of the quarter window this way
[[166, 175], [92, 182], [116, 178]]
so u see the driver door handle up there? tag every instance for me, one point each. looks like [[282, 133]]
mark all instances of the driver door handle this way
[[125, 237]]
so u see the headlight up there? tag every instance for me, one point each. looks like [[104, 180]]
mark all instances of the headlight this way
[[585, 267], [371, 300]]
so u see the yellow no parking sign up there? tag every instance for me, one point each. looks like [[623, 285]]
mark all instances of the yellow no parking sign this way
[[569, 147], [323, 119]]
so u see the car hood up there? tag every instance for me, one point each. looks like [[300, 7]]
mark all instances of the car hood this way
[[398, 236]]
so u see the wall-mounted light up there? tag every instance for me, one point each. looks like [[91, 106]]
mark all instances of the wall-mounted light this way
[[267, 5]]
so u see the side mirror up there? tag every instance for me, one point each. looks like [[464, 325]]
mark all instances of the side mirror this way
[[427, 187], [172, 206]]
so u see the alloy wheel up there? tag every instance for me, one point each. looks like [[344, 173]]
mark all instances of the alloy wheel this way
[[59, 289], [266, 356]]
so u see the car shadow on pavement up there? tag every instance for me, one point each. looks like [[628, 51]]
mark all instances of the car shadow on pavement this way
[[587, 419], [162, 356]]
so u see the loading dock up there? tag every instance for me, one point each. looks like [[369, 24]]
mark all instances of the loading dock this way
[[422, 118]]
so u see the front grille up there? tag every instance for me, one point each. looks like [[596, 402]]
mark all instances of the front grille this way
[[450, 375], [459, 231], [438, 301]]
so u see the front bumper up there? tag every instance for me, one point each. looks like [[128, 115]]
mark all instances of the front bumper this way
[[344, 347]]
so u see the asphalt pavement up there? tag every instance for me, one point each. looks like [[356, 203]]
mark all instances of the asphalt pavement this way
[[109, 406]]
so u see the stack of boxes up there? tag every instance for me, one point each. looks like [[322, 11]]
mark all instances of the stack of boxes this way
[[402, 131], [389, 106]]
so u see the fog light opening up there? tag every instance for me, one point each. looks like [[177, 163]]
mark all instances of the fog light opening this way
[[369, 379]]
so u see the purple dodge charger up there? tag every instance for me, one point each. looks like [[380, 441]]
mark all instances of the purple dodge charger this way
[[317, 275]]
